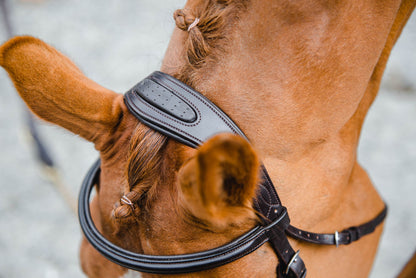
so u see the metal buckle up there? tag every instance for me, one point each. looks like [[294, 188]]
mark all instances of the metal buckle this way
[[292, 260], [336, 239]]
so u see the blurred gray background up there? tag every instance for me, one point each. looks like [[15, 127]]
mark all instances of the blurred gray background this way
[[117, 43]]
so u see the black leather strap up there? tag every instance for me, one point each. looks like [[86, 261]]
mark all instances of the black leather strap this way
[[290, 264], [344, 237], [176, 264]]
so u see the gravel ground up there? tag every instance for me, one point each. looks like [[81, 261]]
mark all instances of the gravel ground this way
[[117, 43]]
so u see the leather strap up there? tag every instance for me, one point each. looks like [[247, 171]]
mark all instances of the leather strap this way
[[175, 264], [344, 237], [290, 264]]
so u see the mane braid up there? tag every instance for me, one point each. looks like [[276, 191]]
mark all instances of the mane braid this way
[[143, 172], [207, 41], [144, 160]]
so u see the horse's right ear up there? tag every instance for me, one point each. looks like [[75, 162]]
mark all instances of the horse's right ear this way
[[56, 90], [219, 183]]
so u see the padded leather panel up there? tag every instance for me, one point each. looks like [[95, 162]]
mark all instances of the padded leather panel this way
[[165, 100], [201, 120]]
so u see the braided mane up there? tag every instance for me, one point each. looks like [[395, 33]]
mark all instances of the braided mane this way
[[206, 43]]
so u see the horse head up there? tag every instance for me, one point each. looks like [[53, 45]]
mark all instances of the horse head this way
[[297, 78], [183, 200]]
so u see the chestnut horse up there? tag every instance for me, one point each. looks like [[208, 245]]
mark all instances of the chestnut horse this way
[[298, 77]]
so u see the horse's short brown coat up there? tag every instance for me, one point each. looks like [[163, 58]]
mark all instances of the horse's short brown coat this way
[[298, 77]]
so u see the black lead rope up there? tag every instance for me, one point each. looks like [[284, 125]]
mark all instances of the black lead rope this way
[[177, 111]]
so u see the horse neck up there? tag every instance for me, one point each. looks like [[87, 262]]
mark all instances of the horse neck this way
[[298, 79]]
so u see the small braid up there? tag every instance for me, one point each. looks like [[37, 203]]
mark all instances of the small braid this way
[[197, 46], [143, 169], [208, 38], [122, 210]]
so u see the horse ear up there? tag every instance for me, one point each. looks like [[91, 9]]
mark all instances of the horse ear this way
[[219, 183], [57, 91]]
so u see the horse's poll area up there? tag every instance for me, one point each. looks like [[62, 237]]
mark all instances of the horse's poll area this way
[[117, 43]]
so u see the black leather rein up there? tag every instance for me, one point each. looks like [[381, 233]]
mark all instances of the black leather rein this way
[[177, 111], [167, 264]]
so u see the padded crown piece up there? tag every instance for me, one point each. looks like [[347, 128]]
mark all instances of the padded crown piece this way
[[162, 98], [192, 121]]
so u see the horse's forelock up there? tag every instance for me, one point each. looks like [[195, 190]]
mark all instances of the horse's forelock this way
[[143, 171]]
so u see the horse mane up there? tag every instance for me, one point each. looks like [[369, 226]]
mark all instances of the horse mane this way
[[204, 45], [143, 168], [206, 42]]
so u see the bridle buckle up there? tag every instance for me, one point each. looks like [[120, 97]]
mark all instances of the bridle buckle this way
[[292, 260], [336, 238]]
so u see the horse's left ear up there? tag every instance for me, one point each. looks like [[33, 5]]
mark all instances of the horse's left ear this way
[[56, 90], [218, 184]]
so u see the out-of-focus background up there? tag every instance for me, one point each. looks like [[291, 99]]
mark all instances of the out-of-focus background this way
[[117, 43]]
